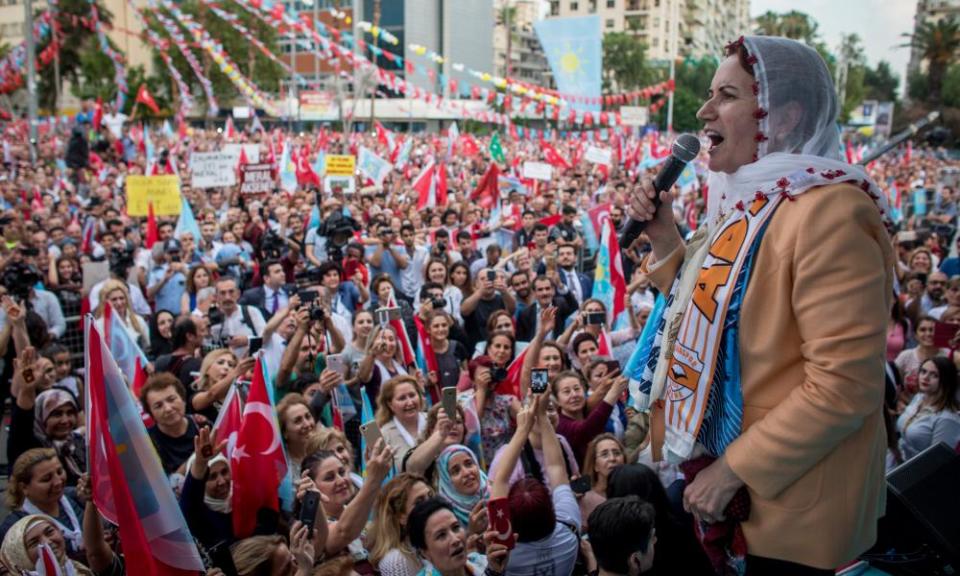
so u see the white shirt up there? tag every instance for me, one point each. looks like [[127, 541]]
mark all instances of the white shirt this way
[[282, 299], [114, 123], [411, 277], [233, 326]]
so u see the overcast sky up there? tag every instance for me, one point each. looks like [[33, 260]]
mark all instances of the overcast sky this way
[[879, 23]]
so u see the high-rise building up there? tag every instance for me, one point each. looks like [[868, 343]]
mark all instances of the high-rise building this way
[[703, 27], [930, 11], [528, 62], [457, 30]]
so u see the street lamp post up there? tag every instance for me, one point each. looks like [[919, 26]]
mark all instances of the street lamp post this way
[[31, 77]]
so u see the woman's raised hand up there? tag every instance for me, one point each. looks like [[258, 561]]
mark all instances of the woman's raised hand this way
[[380, 461]]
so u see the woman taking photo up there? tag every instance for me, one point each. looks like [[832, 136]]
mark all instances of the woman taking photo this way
[[441, 432], [400, 415], [490, 410], [812, 230], [383, 361], [115, 292], [436, 271], [199, 293], [604, 454], [218, 372], [348, 508], [577, 423], [580, 325], [932, 416], [387, 538]]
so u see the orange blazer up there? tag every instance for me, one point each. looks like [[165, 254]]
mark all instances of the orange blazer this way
[[812, 349]]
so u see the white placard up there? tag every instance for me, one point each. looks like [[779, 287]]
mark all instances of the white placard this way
[[252, 150], [538, 171], [241, 112], [634, 115], [212, 169], [598, 155], [347, 183]]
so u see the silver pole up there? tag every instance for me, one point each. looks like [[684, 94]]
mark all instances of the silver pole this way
[[674, 32], [31, 77]]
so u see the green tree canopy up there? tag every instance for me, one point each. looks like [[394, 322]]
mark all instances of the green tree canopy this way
[[939, 44], [624, 63]]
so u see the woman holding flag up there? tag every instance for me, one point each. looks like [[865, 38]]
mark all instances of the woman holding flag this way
[[118, 295]]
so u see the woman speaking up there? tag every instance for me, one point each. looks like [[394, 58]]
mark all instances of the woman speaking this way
[[767, 367]]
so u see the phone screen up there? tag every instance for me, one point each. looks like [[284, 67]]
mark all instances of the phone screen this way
[[538, 380]]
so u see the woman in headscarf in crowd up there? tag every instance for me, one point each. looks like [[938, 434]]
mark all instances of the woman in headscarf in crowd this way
[[161, 334], [604, 454], [205, 498], [37, 485], [462, 482], [24, 541], [387, 538], [48, 420], [793, 256], [400, 415], [933, 415], [117, 294], [347, 507]]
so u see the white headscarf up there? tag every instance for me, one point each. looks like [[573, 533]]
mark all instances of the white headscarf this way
[[789, 72]]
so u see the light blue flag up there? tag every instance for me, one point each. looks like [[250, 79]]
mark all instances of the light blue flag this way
[[688, 178], [920, 202], [148, 144], [168, 130], [320, 163], [372, 166], [573, 48], [288, 172], [452, 136], [186, 222]]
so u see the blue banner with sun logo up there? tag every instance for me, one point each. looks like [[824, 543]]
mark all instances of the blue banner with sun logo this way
[[574, 51]]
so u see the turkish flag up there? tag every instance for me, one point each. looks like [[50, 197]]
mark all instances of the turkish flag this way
[[489, 187], [553, 157], [153, 234], [144, 97], [98, 113], [257, 462], [469, 146], [229, 421]]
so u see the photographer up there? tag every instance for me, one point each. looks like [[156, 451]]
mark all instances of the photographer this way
[[309, 339], [20, 278], [489, 295], [168, 282], [490, 410], [235, 323], [387, 257], [345, 296], [331, 235]]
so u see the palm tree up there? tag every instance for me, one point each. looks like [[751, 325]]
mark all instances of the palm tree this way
[[938, 44]]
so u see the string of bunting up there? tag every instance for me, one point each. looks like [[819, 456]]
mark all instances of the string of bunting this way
[[161, 45], [247, 35], [13, 66], [181, 43], [119, 70]]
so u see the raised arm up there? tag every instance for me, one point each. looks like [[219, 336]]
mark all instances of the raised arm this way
[[354, 517], [548, 319], [526, 418]]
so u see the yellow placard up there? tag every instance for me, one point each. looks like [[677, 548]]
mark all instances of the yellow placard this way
[[162, 191], [341, 165]]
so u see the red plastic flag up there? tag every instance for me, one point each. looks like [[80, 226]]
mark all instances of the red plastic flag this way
[[144, 97]]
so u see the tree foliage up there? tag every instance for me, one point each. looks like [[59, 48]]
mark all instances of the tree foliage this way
[[624, 63], [881, 82], [939, 44]]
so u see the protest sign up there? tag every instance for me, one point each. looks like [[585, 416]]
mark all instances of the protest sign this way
[[162, 191], [212, 169], [257, 179], [537, 170], [598, 155], [347, 184], [252, 152], [341, 165]]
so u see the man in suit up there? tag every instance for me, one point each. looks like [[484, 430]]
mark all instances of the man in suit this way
[[580, 284], [272, 295], [545, 289]]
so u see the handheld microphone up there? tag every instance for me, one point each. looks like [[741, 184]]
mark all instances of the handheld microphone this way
[[685, 148]]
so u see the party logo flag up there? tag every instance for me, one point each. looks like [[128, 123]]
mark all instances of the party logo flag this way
[[288, 171], [372, 166], [573, 48], [688, 178], [129, 486], [496, 148], [257, 462]]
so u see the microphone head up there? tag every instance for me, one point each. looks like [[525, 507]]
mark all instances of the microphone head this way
[[686, 147]]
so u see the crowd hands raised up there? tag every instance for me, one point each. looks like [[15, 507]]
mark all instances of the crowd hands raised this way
[[327, 308]]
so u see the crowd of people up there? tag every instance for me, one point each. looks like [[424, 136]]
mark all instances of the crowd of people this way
[[312, 282]]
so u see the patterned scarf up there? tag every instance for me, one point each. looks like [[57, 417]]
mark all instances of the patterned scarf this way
[[462, 503]]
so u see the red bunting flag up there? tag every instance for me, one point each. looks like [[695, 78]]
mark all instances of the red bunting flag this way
[[144, 97]]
